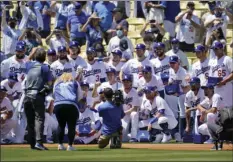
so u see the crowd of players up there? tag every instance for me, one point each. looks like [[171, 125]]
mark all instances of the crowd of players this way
[[162, 94]]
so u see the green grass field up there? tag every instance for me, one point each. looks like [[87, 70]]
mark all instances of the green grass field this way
[[95, 154]]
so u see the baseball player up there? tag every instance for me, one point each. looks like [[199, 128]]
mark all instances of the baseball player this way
[[177, 75], [62, 64], [74, 50], [176, 51], [134, 66], [51, 56], [88, 125], [115, 61], [201, 68], [13, 87], [6, 111], [160, 63], [209, 109], [193, 98], [16, 63], [95, 70], [221, 67], [160, 115], [131, 106], [112, 80]]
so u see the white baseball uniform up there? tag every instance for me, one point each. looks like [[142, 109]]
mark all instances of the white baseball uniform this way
[[94, 72], [160, 66], [117, 67], [9, 123], [17, 88], [134, 67], [179, 78], [222, 68], [201, 70], [12, 65], [131, 99], [148, 110], [182, 56], [192, 100], [57, 68], [155, 81], [78, 62], [217, 102], [86, 123]]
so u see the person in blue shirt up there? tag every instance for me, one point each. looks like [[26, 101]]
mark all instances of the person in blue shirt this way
[[112, 126], [75, 23], [67, 94], [93, 30], [104, 12]]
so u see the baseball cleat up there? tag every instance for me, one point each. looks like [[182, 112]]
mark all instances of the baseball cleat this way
[[71, 148], [49, 141], [178, 137], [133, 140], [219, 147], [158, 138], [39, 146], [61, 147], [166, 138]]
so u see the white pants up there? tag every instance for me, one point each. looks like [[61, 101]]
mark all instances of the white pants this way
[[181, 100], [87, 140], [50, 125], [226, 93], [156, 14], [133, 119], [203, 129], [172, 122], [170, 27], [7, 127], [172, 102]]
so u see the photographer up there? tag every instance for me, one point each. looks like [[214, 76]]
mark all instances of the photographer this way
[[112, 113], [38, 76]]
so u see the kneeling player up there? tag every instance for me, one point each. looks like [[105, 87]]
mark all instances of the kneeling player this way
[[88, 125], [162, 117]]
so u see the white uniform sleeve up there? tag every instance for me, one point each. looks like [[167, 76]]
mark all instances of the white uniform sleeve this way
[[80, 92], [229, 65], [184, 59], [184, 82], [188, 99], [161, 104], [103, 71], [8, 104], [4, 68], [216, 101], [205, 103]]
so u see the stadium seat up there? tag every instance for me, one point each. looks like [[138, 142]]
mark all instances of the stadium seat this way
[[229, 33], [229, 51], [139, 27], [140, 40], [134, 34], [136, 21], [132, 27]]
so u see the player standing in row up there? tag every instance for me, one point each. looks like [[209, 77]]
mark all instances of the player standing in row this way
[[95, 70], [62, 64], [221, 67], [131, 107], [134, 66]]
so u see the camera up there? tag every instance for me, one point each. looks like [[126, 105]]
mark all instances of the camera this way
[[152, 21], [118, 98]]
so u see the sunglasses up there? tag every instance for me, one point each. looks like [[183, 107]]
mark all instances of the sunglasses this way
[[145, 72], [119, 29]]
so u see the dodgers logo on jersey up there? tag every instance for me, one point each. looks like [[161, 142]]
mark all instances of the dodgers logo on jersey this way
[[161, 69], [127, 100], [194, 104], [203, 70], [87, 73], [17, 70], [83, 121]]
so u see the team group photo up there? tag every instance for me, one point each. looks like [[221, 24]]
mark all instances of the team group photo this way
[[116, 80]]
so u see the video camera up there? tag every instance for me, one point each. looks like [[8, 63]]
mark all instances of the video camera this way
[[118, 98]]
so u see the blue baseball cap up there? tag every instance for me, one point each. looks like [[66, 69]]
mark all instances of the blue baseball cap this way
[[173, 59], [149, 89], [13, 77], [217, 45], [127, 77], [195, 80], [146, 69], [84, 83], [164, 77], [174, 41], [117, 52], [73, 44], [140, 46], [159, 45], [61, 49], [90, 50], [20, 48], [199, 48], [77, 6], [110, 70], [51, 52]]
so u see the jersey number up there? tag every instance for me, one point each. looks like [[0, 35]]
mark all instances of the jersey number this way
[[221, 73], [97, 78]]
